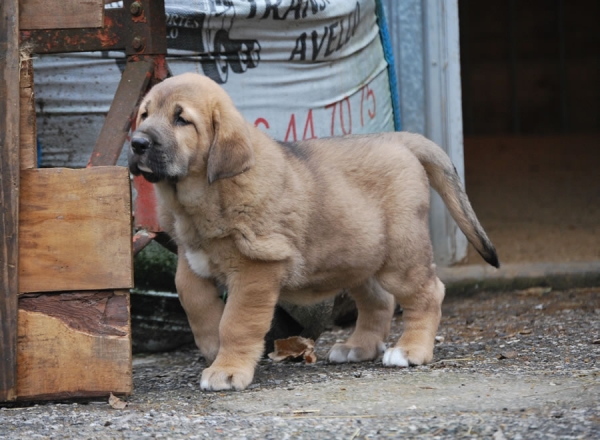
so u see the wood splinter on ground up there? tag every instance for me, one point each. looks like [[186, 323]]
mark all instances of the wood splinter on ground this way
[[116, 403], [294, 348]]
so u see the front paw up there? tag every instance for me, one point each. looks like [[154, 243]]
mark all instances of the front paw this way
[[226, 378], [341, 353]]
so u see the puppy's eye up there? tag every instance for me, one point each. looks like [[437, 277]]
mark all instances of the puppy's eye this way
[[181, 121], [144, 115]]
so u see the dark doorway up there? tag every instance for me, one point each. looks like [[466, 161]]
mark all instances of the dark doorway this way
[[531, 110]]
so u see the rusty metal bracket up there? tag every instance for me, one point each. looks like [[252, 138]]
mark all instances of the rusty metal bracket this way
[[134, 82], [147, 26]]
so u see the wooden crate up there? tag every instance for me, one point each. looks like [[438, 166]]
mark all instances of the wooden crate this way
[[75, 253]]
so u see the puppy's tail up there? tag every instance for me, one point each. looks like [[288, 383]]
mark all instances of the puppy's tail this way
[[444, 179]]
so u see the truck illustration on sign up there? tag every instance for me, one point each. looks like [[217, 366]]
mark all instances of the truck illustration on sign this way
[[204, 28]]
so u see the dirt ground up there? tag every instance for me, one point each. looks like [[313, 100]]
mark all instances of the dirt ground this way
[[538, 197], [513, 365]]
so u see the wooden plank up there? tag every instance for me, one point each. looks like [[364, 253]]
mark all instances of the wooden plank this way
[[75, 344], [27, 121], [9, 191], [75, 229], [61, 14]]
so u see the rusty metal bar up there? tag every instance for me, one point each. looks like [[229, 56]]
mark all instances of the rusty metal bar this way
[[147, 27], [138, 28], [142, 239], [113, 36], [134, 83]]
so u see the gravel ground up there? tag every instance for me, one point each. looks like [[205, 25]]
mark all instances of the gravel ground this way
[[510, 365]]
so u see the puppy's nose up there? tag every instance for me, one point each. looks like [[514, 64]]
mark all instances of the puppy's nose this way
[[140, 144]]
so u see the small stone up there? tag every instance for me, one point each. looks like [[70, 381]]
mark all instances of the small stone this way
[[499, 435]]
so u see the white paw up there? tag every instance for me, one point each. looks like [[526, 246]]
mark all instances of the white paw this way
[[205, 385], [341, 353], [221, 379], [394, 357]]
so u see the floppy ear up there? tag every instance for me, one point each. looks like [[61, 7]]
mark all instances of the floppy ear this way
[[230, 153]]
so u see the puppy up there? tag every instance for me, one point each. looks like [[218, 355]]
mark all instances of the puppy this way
[[296, 222]]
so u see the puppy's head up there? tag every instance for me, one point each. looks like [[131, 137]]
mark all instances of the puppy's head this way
[[187, 124]]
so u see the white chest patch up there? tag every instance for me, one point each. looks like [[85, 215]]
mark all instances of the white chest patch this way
[[199, 262]]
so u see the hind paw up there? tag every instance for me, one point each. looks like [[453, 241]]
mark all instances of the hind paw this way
[[400, 357]]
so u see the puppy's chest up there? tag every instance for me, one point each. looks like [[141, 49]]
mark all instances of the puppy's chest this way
[[203, 244], [213, 262], [194, 224], [199, 262], [196, 232]]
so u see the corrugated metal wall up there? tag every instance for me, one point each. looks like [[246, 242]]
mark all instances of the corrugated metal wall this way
[[425, 40]]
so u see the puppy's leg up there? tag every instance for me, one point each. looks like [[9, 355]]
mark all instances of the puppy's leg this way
[[253, 293], [375, 309], [420, 294], [202, 305]]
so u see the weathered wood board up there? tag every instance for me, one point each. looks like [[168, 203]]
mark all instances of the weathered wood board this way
[[75, 229], [61, 14], [74, 344], [27, 121], [9, 192]]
